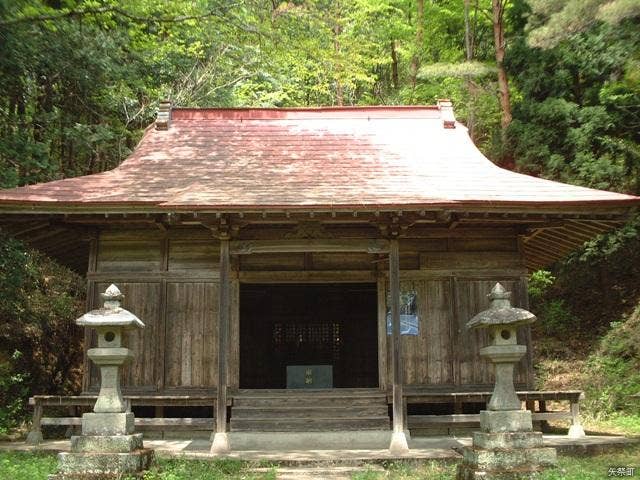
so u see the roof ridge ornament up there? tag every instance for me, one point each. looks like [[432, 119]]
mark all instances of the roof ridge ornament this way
[[163, 117], [446, 113]]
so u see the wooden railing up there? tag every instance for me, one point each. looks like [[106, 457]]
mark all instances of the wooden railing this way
[[529, 397], [158, 422], [534, 401]]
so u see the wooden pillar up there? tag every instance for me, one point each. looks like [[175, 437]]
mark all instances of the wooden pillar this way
[[576, 430], [35, 434], [92, 267], [398, 440], [220, 440]]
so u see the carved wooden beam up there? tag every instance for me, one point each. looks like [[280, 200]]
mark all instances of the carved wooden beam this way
[[246, 247]]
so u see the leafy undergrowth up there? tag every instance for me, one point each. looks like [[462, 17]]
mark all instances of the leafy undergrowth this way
[[613, 370], [206, 470], [409, 471], [26, 466], [596, 467], [619, 424], [568, 468], [608, 372], [34, 466]]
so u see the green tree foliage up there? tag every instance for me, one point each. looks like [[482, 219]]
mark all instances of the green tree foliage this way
[[83, 77], [553, 21], [614, 369], [576, 117], [40, 345]]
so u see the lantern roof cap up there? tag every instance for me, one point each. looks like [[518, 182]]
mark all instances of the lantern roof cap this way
[[501, 312], [111, 314]]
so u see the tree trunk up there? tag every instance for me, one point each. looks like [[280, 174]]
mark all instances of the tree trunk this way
[[415, 61], [337, 30], [503, 83], [467, 31], [468, 43], [394, 66]]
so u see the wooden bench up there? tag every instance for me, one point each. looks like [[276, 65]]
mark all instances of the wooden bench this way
[[39, 402], [528, 397]]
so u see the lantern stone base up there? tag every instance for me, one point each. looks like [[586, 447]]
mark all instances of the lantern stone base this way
[[107, 449], [75, 465], [504, 464], [110, 444], [103, 424], [505, 449], [506, 421], [507, 440]]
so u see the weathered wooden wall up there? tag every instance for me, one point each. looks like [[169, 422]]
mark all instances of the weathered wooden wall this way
[[452, 279], [170, 279]]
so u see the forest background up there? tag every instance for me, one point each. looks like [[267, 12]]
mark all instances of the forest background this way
[[547, 88]]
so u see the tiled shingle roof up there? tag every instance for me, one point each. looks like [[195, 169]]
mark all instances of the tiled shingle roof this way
[[319, 157]]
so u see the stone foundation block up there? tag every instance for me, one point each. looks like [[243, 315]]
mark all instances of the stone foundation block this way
[[506, 421], [111, 444], [103, 465], [503, 460], [507, 440], [103, 424]]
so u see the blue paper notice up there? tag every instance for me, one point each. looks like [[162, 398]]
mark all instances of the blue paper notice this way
[[409, 324]]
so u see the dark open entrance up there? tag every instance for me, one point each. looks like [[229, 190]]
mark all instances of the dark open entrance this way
[[318, 324]]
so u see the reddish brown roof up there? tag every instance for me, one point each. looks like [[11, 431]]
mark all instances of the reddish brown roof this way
[[318, 157]]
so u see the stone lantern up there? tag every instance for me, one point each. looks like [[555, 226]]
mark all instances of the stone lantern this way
[[506, 447], [502, 321], [108, 445]]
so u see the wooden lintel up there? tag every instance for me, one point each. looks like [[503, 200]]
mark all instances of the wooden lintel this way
[[288, 276], [468, 274], [110, 220], [497, 231], [246, 247], [141, 276]]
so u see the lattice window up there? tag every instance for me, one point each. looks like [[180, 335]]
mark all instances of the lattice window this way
[[289, 337]]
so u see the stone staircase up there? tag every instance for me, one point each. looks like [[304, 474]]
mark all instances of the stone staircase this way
[[309, 410]]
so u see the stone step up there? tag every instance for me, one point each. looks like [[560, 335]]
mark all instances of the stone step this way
[[339, 392], [307, 400], [337, 441], [308, 424], [319, 472], [261, 412]]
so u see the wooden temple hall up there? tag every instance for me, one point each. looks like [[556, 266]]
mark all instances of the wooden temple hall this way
[[307, 269]]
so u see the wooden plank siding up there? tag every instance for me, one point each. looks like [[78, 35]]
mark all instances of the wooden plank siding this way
[[142, 299], [191, 335], [171, 281]]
